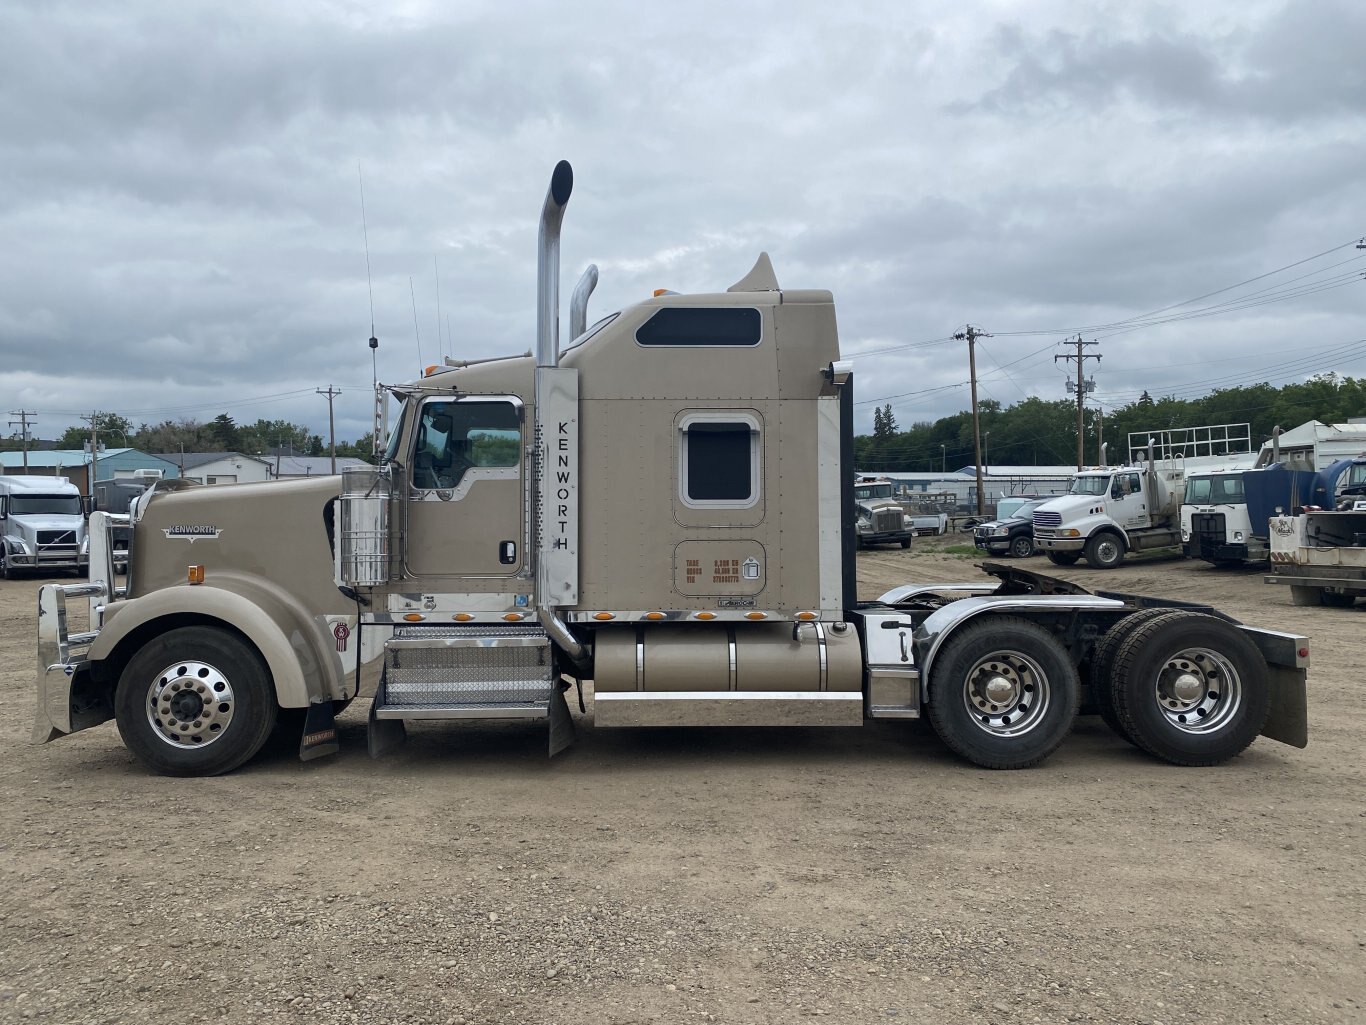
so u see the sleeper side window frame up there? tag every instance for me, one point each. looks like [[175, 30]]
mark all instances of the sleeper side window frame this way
[[714, 422]]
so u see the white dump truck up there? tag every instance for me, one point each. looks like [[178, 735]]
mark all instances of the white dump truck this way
[[42, 526], [663, 509], [1110, 511]]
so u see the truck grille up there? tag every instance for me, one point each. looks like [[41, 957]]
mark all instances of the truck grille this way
[[1047, 519], [56, 537], [1208, 523], [886, 520]]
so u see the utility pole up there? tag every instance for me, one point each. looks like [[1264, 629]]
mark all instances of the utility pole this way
[[94, 419], [971, 334], [24, 416], [1081, 356], [331, 393]]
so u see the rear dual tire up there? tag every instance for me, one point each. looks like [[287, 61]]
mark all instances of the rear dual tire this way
[[1186, 687]]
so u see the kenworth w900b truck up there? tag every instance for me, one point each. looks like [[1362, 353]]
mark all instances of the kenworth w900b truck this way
[[664, 508]]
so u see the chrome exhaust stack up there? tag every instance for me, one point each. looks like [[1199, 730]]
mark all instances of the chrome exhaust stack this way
[[548, 266], [578, 302]]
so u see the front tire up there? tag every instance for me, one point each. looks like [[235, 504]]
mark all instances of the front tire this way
[[1190, 689], [905, 543], [1104, 551], [196, 701], [1063, 558], [1003, 693], [1336, 598], [1022, 547]]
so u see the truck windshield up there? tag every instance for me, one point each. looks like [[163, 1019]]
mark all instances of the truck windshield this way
[[1089, 486], [866, 491], [44, 505], [1221, 490]]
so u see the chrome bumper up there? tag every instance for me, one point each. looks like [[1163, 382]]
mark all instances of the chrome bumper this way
[[1060, 544], [61, 661]]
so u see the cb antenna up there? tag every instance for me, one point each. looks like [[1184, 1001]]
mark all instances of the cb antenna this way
[[369, 283]]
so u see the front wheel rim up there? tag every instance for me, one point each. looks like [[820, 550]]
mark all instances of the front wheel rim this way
[[190, 704], [1006, 694], [1198, 691], [1107, 551]]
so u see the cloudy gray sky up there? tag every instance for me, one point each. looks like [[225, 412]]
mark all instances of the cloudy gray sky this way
[[181, 217]]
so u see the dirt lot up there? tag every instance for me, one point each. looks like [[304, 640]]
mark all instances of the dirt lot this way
[[754, 876]]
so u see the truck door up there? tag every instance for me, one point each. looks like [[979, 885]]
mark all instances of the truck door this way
[[1128, 504], [466, 503]]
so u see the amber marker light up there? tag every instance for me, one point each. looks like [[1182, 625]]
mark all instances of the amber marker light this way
[[756, 615], [462, 617], [806, 617], [660, 291], [654, 615], [196, 575], [603, 617], [706, 615], [513, 617], [413, 617], [430, 370]]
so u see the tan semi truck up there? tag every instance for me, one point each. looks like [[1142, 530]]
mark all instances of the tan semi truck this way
[[664, 508]]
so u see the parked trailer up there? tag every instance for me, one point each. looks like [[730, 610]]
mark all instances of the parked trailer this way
[[643, 510]]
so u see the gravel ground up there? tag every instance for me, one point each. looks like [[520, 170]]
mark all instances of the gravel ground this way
[[692, 876]]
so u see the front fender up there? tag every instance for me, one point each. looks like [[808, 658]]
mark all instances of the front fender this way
[[302, 662]]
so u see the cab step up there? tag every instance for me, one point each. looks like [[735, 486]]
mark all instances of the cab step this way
[[473, 672]]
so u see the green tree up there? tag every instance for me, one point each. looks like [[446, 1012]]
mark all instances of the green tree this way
[[112, 429], [225, 432]]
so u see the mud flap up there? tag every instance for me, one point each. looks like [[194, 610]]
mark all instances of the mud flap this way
[[320, 732], [383, 735], [1288, 720], [561, 723]]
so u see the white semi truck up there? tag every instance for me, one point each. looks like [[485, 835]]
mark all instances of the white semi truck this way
[[663, 509], [1110, 511], [42, 526]]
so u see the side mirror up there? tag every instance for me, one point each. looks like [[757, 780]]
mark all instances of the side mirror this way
[[1114, 490], [4, 506]]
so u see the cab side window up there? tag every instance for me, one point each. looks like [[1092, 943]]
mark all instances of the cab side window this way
[[456, 437]]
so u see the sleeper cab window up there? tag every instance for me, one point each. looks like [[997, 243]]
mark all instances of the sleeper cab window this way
[[719, 460], [702, 326]]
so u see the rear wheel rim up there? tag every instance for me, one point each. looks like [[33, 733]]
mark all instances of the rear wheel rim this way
[[189, 704], [1006, 694], [1198, 691]]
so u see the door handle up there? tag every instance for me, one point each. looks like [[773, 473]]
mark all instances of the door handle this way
[[507, 552]]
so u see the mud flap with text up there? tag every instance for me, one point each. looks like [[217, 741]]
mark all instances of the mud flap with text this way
[[320, 732]]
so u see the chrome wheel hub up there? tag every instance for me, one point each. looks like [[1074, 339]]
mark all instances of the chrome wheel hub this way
[[190, 704], [1006, 693], [1198, 690]]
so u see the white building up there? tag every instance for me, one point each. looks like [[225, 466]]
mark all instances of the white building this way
[[219, 467]]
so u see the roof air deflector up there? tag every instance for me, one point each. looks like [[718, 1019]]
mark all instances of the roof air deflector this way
[[760, 278]]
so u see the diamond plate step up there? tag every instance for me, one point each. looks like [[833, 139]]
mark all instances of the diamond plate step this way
[[450, 672]]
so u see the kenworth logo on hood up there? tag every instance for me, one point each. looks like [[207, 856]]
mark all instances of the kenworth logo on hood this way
[[193, 532]]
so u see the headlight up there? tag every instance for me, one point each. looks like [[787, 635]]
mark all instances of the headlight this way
[[906, 521], [1069, 533], [19, 546], [85, 545], [1001, 531], [864, 515], [1237, 535], [1185, 534]]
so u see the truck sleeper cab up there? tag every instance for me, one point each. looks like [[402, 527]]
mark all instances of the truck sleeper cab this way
[[664, 508]]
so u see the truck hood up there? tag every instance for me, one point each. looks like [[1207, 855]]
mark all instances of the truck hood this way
[[45, 523], [1069, 506]]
